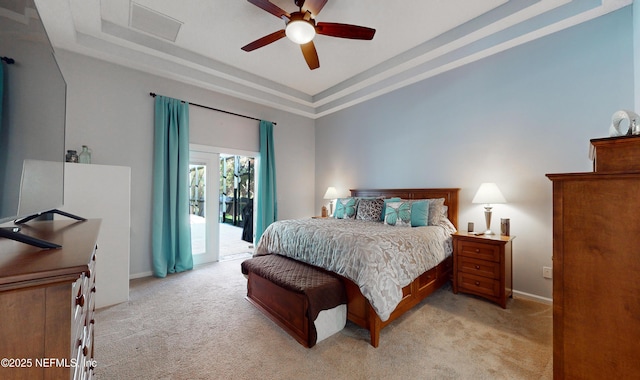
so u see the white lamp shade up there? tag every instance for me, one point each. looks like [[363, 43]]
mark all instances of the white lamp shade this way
[[300, 31], [331, 193], [488, 193]]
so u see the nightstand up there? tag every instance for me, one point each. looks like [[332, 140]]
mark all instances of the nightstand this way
[[482, 266]]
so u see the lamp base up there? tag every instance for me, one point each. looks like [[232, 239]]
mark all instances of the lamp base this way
[[487, 220]]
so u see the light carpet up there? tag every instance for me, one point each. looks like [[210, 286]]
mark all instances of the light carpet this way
[[198, 325]]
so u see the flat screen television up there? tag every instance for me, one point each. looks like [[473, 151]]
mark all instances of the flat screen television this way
[[33, 112]]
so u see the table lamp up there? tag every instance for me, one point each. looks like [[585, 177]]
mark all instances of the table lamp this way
[[331, 194], [488, 193]]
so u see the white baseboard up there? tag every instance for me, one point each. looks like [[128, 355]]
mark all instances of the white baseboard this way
[[532, 297], [140, 275], [149, 274]]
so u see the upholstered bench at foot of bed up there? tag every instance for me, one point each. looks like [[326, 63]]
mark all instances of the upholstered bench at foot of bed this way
[[307, 302]]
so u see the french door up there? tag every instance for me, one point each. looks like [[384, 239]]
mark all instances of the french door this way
[[204, 205]]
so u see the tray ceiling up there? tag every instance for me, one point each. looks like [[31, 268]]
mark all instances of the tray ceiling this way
[[198, 42]]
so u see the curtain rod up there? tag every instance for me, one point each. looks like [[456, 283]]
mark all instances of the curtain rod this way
[[153, 95]]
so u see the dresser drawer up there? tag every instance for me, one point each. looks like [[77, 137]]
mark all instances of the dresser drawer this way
[[480, 251], [78, 369], [91, 306], [78, 314], [478, 285], [92, 268], [88, 343], [477, 267]]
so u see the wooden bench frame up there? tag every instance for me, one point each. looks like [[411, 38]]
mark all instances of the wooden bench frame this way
[[286, 308]]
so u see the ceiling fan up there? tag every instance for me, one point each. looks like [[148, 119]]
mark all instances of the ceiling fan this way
[[301, 27]]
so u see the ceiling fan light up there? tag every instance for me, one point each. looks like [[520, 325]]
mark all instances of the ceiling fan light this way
[[300, 31]]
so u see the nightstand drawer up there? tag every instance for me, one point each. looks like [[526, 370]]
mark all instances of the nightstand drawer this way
[[479, 285], [480, 267], [481, 251]]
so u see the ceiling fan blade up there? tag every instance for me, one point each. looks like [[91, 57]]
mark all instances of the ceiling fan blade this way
[[313, 6], [310, 55], [266, 40], [270, 7], [345, 31]]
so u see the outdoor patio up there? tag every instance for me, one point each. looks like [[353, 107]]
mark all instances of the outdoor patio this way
[[232, 247]]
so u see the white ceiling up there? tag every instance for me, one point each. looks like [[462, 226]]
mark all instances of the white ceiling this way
[[415, 39]]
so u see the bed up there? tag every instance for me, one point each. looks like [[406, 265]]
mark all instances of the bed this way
[[374, 305]]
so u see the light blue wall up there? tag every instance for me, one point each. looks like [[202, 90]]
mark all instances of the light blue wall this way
[[636, 49], [509, 118]]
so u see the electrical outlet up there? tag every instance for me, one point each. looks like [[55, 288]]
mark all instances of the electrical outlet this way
[[547, 272]]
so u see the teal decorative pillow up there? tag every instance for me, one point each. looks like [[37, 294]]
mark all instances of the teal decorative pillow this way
[[384, 207], [419, 213], [398, 214], [436, 211], [345, 208]]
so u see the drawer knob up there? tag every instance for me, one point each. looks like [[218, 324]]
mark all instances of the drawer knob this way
[[477, 250], [80, 300], [477, 283], [477, 266]]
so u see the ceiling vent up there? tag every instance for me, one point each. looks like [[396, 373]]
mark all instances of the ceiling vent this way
[[17, 10], [153, 22]]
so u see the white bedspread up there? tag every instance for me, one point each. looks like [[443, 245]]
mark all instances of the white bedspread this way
[[379, 258]]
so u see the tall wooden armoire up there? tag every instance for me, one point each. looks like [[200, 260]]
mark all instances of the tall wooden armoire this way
[[596, 265]]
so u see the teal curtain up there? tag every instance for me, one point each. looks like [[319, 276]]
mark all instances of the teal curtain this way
[[267, 205], [171, 230], [1, 93]]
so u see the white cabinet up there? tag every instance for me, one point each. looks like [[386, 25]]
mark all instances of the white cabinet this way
[[104, 192]]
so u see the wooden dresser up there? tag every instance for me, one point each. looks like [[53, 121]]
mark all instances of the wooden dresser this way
[[596, 270], [482, 265], [47, 302]]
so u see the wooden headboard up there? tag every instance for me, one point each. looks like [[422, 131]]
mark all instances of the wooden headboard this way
[[450, 196]]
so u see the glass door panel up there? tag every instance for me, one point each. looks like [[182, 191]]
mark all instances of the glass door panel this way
[[236, 205], [197, 204], [203, 206]]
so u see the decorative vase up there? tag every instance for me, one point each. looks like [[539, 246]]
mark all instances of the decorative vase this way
[[85, 155], [505, 227]]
